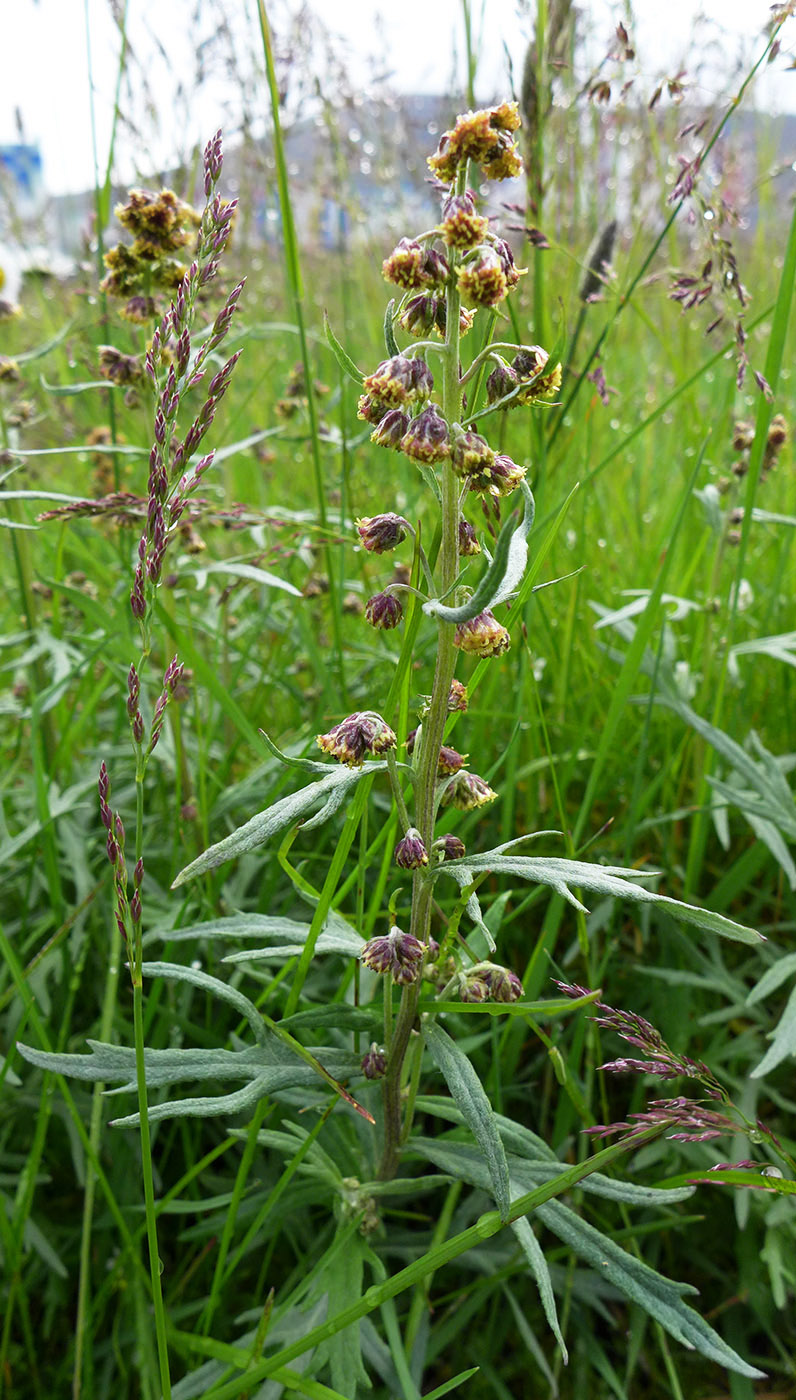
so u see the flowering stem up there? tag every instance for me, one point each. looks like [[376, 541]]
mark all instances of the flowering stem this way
[[433, 726]]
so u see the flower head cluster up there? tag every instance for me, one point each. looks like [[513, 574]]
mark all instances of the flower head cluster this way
[[400, 954], [484, 137], [466, 792], [482, 635], [415, 267], [162, 226], [489, 982], [357, 736]]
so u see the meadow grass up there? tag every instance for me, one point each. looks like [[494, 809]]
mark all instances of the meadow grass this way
[[625, 731]]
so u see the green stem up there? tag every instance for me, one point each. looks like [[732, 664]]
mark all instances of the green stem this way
[[94, 1135], [433, 730], [294, 278], [149, 1190]]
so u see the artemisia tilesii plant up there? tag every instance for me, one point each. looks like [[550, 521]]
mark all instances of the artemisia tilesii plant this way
[[425, 403]]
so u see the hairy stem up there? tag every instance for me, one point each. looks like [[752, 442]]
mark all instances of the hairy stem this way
[[433, 730]]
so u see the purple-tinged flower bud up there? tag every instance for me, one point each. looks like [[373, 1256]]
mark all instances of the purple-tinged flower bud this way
[[449, 761], [482, 635], [390, 429], [436, 268], [466, 319], [138, 873], [139, 310], [381, 533], [468, 541], [400, 954], [426, 439], [448, 848], [383, 611], [482, 281], [118, 829], [371, 408], [462, 226], [119, 368], [473, 987], [135, 907], [410, 853], [399, 380], [466, 792], [374, 1063], [470, 453], [404, 266], [419, 316], [137, 726], [506, 475], [501, 381], [510, 269], [499, 479], [503, 984], [457, 696], [112, 849], [529, 364], [422, 379], [353, 738]]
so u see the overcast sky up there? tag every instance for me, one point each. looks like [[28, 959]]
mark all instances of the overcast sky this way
[[418, 43]]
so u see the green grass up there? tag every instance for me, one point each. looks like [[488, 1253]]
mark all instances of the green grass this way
[[259, 1213]]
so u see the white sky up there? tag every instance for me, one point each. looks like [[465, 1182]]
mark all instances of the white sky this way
[[44, 64]]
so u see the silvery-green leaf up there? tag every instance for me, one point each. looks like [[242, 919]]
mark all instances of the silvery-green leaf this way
[[783, 1040], [342, 356], [773, 978], [262, 926], [469, 1094], [331, 789], [537, 1263], [307, 765], [270, 1068], [503, 575], [349, 945], [249, 571], [617, 881], [660, 1297], [177, 972]]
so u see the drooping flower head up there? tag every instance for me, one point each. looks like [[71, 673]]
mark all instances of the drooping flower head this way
[[399, 381], [530, 364], [398, 953], [466, 792], [410, 853], [462, 226], [482, 635], [381, 533], [427, 438], [470, 453], [499, 477], [384, 611], [482, 281], [355, 737]]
